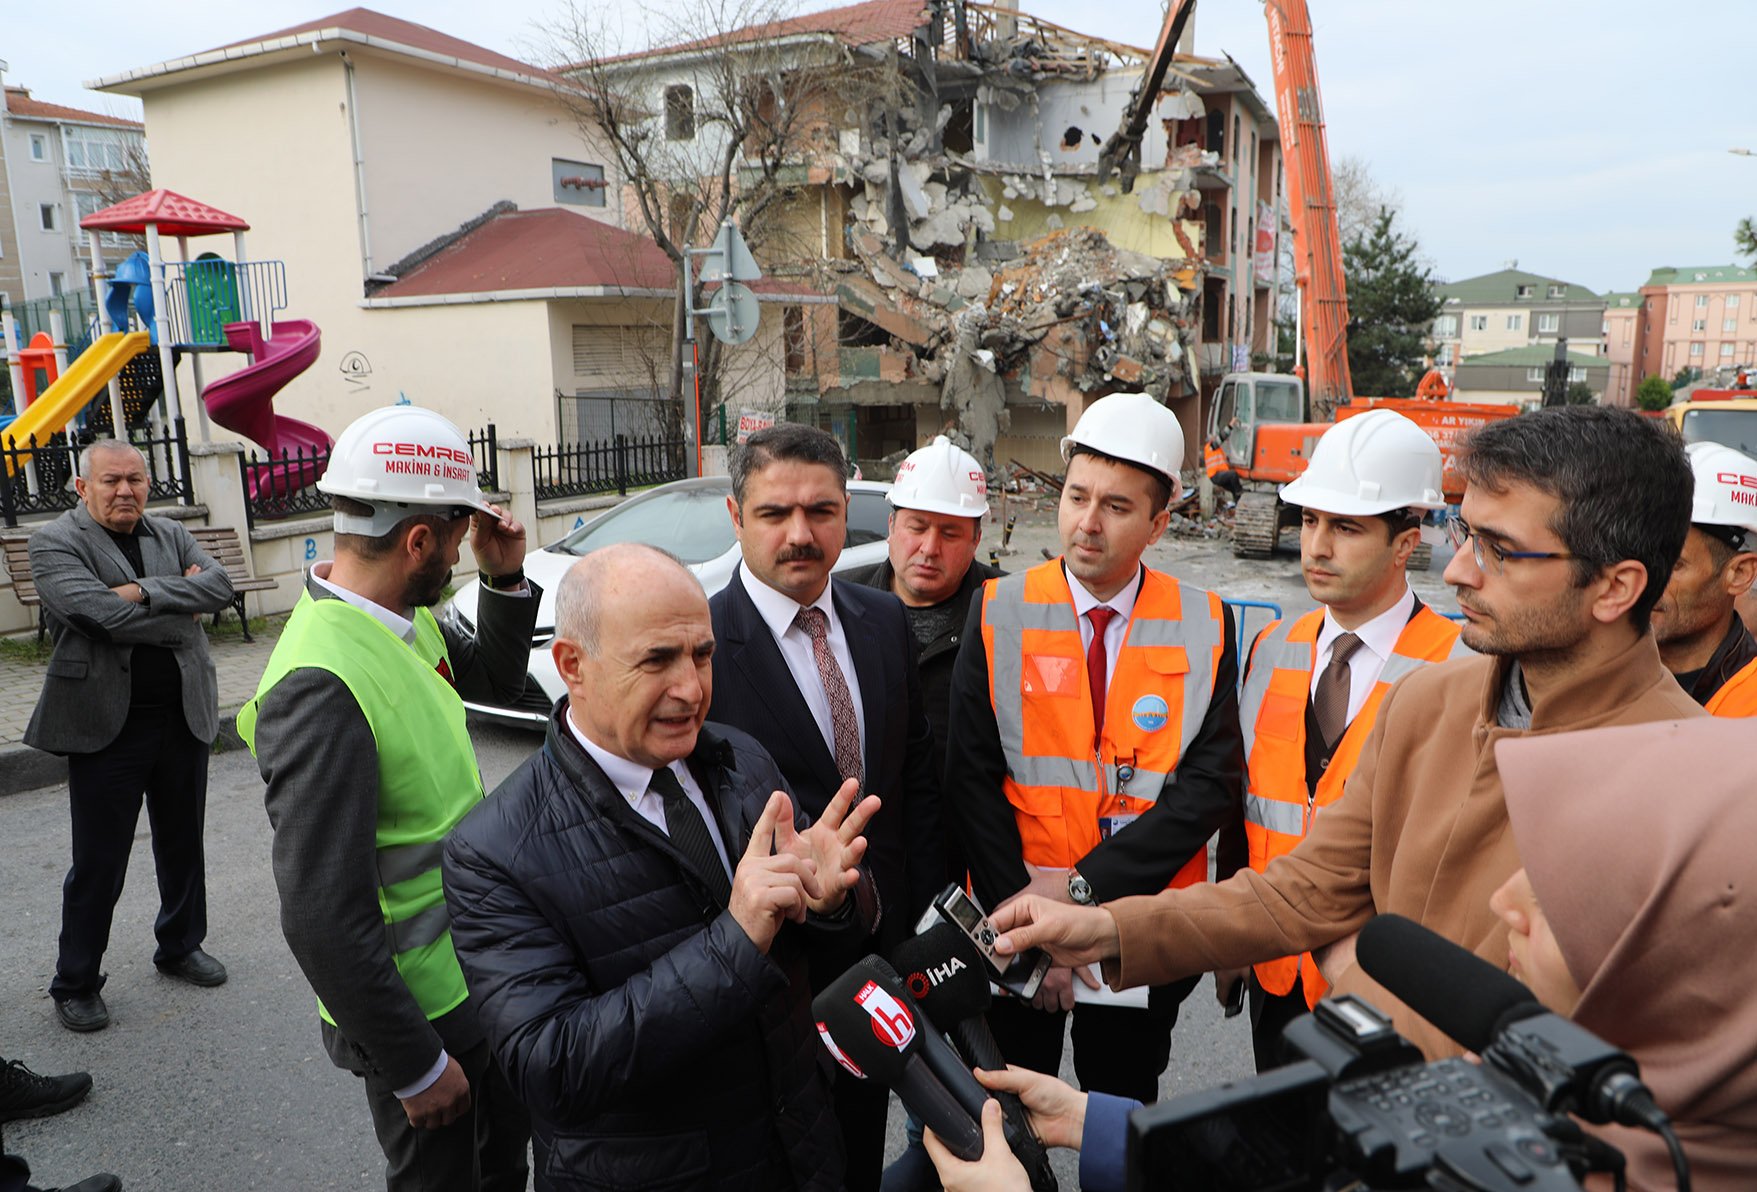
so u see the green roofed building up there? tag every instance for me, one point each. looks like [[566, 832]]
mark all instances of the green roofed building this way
[[1513, 309], [1514, 376]]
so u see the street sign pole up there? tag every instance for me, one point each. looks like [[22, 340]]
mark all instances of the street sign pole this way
[[732, 313]]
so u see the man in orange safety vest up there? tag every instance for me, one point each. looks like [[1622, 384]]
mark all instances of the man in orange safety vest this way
[[1313, 684]]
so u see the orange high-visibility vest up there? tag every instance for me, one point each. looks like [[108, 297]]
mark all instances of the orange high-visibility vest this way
[[1279, 805], [1214, 459], [1738, 695], [1059, 780]]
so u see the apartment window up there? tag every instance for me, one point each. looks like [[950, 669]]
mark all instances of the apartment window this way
[[1235, 142], [57, 284], [1548, 324], [1446, 325], [1604, 326], [679, 112], [1695, 349], [1702, 302], [1699, 324], [1479, 322], [39, 147], [1558, 291], [1726, 351], [1534, 374], [1628, 328], [49, 215], [91, 150], [1577, 374], [1515, 322], [1729, 324], [1732, 302], [1446, 353], [579, 183], [1522, 292]]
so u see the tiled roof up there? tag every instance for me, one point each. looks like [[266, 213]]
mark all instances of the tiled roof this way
[[1620, 299], [1502, 288], [20, 104], [1705, 274], [854, 24], [1532, 357], [547, 249]]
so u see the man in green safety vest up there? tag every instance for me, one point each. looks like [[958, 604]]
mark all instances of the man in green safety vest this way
[[358, 728]]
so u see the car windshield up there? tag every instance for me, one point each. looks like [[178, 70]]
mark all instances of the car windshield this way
[[1733, 428], [1279, 401], [691, 523]]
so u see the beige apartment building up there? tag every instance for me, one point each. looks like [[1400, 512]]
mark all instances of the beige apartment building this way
[[1508, 310]]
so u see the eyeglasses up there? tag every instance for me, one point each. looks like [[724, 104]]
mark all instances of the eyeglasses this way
[[1458, 532]]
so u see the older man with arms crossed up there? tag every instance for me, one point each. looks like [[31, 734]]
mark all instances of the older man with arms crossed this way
[[132, 700], [1572, 519], [624, 907]]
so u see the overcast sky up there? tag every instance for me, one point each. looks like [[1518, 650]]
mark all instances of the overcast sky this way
[[1586, 139]]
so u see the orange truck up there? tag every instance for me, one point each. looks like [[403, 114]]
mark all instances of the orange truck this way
[[1263, 425]]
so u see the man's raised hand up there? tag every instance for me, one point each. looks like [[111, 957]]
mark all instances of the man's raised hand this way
[[771, 885], [834, 845]]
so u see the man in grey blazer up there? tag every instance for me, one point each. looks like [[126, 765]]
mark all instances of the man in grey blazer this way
[[132, 702]]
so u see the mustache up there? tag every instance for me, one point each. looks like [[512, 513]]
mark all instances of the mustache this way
[[799, 554]]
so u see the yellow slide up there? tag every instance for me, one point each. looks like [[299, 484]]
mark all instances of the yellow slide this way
[[84, 379]]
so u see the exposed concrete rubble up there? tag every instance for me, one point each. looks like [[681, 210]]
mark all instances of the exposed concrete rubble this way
[[1021, 280]]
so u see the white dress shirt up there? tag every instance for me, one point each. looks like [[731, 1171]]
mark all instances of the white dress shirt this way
[[1117, 631], [1378, 637], [635, 782], [778, 610]]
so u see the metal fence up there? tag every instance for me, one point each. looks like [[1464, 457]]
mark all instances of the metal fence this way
[[79, 319], [586, 419], [201, 297], [37, 477], [284, 484], [616, 465]]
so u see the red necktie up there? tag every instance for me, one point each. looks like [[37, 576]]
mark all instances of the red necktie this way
[[1095, 659]]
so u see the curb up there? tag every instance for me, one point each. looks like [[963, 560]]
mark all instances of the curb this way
[[25, 769]]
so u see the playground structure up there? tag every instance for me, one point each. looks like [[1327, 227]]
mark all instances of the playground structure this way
[[200, 306]]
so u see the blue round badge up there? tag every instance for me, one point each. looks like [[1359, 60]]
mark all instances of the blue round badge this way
[[1150, 713]]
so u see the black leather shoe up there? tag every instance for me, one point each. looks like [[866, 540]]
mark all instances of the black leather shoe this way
[[197, 968], [24, 1094], [93, 1183], [83, 1013]]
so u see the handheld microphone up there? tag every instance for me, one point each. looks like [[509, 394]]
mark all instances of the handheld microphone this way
[[945, 974], [867, 1022], [1564, 1066]]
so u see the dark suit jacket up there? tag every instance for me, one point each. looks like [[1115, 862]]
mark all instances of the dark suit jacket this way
[[85, 698], [754, 691]]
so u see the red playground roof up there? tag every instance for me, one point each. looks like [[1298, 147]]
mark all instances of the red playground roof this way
[[175, 214]]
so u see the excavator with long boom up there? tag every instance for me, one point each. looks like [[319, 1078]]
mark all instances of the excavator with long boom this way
[[1264, 422]]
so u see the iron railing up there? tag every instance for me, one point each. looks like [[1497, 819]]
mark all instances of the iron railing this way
[[616, 465], [585, 419], [36, 477], [201, 297], [284, 484]]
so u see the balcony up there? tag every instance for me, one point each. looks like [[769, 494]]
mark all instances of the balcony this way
[[203, 296]]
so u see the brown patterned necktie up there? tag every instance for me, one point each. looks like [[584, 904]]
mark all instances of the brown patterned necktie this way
[[1330, 700], [846, 728]]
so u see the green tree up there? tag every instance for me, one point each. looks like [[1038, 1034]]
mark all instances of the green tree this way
[[1653, 393], [1745, 236], [1688, 375], [1391, 306], [1581, 394]]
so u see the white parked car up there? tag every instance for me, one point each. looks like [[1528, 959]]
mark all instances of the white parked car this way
[[687, 518]]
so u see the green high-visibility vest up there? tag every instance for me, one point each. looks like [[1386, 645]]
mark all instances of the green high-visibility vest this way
[[427, 776]]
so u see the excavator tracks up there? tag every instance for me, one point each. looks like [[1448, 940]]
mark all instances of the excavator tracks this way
[[1254, 526]]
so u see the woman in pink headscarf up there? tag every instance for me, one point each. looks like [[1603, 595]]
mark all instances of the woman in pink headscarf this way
[[1636, 915]]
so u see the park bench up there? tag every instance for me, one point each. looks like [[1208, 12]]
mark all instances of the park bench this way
[[219, 541]]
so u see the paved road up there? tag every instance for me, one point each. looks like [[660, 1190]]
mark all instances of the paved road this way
[[229, 1088]]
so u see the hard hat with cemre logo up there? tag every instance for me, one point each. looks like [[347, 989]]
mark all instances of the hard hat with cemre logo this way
[[1134, 428], [1726, 491], [1372, 463], [941, 478], [401, 460]]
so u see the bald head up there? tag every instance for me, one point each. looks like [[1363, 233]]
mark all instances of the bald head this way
[[635, 646], [608, 575]]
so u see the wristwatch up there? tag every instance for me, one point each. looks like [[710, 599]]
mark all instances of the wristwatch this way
[[1079, 889]]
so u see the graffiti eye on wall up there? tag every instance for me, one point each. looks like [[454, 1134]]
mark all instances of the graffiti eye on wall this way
[[355, 367]]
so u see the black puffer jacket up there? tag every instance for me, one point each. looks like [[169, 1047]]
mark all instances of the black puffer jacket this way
[[655, 1046]]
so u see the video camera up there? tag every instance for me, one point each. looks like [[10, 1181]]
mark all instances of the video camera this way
[[1363, 1109]]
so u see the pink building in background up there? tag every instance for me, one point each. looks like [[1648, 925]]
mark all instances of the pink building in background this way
[[1618, 346], [1703, 318]]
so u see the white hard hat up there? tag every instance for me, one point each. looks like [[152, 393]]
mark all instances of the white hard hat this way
[[401, 460], [1131, 427], [1726, 487], [1372, 463], [941, 478]]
